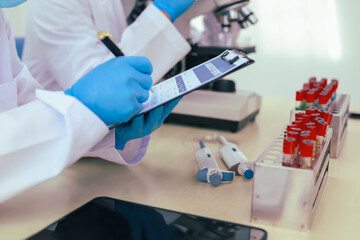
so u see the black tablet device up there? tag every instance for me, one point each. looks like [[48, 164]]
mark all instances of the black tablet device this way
[[106, 218]]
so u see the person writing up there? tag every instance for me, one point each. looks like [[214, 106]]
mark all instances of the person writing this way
[[62, 46], [42, 132]]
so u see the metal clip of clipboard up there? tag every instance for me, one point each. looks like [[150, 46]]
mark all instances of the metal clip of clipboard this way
[[233, 56]]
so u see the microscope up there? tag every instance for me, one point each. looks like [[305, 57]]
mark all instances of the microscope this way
[[211, 27]]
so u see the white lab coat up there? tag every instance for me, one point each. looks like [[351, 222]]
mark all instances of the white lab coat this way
[[61, 43], [39, 135], [61, 46], [43, 132]]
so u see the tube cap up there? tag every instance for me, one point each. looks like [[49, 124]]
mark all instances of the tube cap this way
[[316, 91], [309, 124], [305, 136], [295, 135], [299, 115], [249, 174], [289, 145], [306, 148], [335, 82], [327, 116], [319, 119], [313, 131], [323, 98], [307, 118], [312, 81], [202, 175], [323, 82], [299, 95], [314, 116], [310, 97], [288, 128], [310, 110], [299, 123], [296, 130], [320, 112], [321, 128]]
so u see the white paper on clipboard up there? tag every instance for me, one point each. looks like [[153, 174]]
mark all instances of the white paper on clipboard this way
[[194, 78]]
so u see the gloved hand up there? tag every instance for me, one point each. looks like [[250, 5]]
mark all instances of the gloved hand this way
[[174, 7], [143, 125], [115, 89]]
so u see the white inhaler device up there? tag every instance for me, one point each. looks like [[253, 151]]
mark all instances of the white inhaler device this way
[[209, 170], [234, 159]]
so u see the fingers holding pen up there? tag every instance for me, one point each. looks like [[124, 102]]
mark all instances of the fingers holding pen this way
[[142, 84], [141, 64], [141, 94], [143, 80]]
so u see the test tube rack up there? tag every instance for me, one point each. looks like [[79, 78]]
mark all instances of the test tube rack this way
[[340, 111], [288, 197]]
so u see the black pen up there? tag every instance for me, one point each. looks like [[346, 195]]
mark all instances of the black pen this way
[[105, 38]]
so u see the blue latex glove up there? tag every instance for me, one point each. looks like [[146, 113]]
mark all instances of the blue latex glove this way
[[143, 125], [174, 7], [115, 90]]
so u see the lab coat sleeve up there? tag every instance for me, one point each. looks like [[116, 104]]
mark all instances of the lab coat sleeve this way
[[39, 139], [70, 49], [154, 36], [132, 154], [21, 88]]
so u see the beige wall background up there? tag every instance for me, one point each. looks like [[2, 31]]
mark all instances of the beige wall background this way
[[295, 40], [17, 17]]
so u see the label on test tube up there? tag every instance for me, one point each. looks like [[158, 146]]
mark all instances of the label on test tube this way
[[294, 157], [309, 136], [209, 170], [323, 100], [321, 127], [306, 152], [310, 98], [313, 135], [235, 160], [300, 100]]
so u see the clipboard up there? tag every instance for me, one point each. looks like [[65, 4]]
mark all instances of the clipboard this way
[[192, 79]]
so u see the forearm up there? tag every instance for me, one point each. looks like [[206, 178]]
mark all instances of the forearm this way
[[39, 139]]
